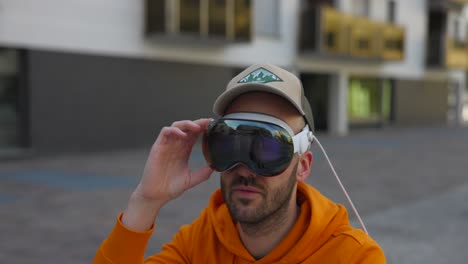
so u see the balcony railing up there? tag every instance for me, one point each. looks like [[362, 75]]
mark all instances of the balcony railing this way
[[342, 35], [456, 53], [334, 31], [364, 38], [393, 42]]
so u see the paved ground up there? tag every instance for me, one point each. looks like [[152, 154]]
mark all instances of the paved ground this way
[[410, 185]]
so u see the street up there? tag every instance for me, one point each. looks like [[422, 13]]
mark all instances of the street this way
[[409, 184]]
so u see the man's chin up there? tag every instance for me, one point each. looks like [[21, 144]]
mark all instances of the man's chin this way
[[244, 214], [246, 205]]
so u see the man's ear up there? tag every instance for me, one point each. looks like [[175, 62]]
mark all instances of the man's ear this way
[[304, 166]]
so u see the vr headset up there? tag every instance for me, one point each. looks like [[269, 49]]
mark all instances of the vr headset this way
[[265, 144]]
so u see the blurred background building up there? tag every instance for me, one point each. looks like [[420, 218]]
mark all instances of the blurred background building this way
[[89, 75]]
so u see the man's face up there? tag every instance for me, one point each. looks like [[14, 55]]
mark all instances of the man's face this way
[[250, 197]]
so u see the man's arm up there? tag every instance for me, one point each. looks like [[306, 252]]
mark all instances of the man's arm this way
[[166, 176], [123, 245]]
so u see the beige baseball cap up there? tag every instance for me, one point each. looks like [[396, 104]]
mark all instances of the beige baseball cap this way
[[266, 78]]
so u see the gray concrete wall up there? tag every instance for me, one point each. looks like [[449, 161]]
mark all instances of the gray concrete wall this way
[[87, 103], [421, 102]]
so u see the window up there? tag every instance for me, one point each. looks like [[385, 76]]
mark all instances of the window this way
[[189, 16], [242, 17], [369, 100], [363, 44], [155, 16], [217, 18], [330, 39], [394, 44], [222, 19], [363, 100]]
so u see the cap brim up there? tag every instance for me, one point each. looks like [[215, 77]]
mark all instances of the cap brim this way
[[228, 96]]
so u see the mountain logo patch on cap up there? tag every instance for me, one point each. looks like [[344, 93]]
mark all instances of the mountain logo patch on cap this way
[[260, 75]]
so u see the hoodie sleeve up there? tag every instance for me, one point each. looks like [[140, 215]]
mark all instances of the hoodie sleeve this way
[[370, 253], [128, 246]]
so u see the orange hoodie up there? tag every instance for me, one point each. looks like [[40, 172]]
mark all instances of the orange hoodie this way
[[322, 234]]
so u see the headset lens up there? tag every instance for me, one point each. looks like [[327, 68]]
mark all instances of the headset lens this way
[[265, 148]]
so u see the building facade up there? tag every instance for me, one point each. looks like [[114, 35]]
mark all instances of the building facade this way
[[101, 75]]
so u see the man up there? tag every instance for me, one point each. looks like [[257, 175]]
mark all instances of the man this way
[[264, 212]]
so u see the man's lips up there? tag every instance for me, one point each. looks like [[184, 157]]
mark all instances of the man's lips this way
[[246, 189]]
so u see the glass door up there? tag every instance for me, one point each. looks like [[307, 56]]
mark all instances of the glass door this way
[[369, 101]]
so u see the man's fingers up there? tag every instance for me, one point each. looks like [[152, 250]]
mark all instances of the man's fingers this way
[[168, 133], [193, 129], [184, 133], [200, 176], [173, 131], [203, 122], [192, 126], [187, 126]]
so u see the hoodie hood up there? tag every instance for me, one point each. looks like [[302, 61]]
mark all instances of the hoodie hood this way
[[319, 220]]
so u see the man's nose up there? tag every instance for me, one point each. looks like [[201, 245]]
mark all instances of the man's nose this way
[[243, 170]]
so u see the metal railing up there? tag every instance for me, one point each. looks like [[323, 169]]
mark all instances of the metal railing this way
[[338, 34]]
